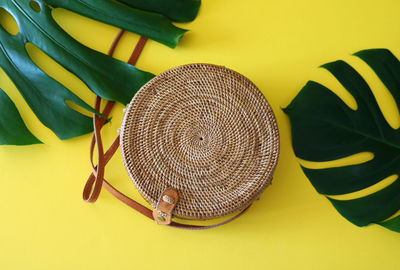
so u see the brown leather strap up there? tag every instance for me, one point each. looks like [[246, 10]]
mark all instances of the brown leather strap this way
[[137, 51], [137, 206], [96, 179], [90, 193]]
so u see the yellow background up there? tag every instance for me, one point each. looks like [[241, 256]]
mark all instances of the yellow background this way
[[279, 46]]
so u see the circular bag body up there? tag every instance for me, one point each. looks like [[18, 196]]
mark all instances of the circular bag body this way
[[204, 130]]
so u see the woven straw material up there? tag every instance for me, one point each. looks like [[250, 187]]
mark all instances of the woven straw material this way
[[204, 130]]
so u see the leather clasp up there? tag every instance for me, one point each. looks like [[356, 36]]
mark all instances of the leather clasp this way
[[166, 203]]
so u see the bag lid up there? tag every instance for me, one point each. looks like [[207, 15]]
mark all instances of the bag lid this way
[[204, 130]]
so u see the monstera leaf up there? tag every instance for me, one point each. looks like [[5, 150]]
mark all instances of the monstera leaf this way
[[176, 10], [109, 78], [152, 25], [324, 128]]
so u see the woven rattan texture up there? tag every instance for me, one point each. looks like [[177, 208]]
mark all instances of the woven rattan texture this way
[[204, 130]]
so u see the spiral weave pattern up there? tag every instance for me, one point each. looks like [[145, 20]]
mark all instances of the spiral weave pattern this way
[[204, 130]]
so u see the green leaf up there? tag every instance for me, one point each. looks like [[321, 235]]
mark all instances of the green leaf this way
[[152, 25], [109, 78], [324, 128], [392, 224], [176, 10], [12, 127]]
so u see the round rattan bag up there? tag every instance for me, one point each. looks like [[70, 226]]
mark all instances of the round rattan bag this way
[[204, 132]]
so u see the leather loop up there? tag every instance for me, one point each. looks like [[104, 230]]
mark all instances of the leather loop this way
[[96, 179], [162, 214]]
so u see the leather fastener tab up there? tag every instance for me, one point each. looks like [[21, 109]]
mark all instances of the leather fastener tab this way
[[166, 203]]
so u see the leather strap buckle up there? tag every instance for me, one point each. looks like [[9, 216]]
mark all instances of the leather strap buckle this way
[[166, 203]]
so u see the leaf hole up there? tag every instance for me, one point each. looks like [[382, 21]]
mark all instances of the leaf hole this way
[[78, 108], [336, 87], [383, 97], [395, 215], [86, 35], [61, 75], [35, 6], [8, 22], [367, 191], [355, 159]]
